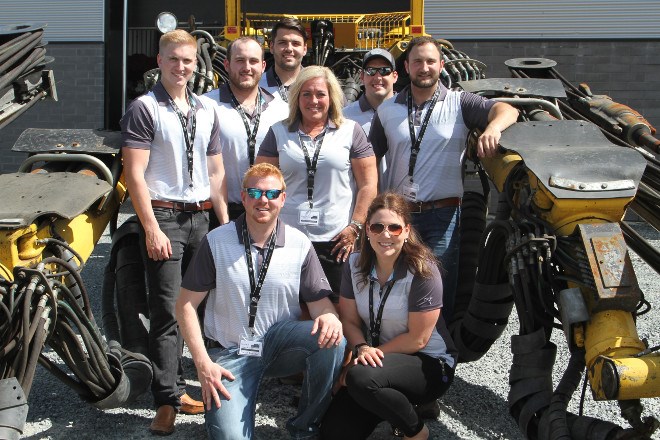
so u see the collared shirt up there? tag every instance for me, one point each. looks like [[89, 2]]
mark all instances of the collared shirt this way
[[151, 123], [361, 112], [334, 184], [294, 275], [410, 293], [233, 137], [438, 169], [268, 82]]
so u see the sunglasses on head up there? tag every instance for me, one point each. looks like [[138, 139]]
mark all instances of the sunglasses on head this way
[[255, 193], [384, 71], [378, 228]]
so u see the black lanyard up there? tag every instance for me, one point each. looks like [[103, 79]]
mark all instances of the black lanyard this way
[[311, 163], [251, 134], [255, 289], [188, 136], [416, 141], [284, 91], [374, 324]]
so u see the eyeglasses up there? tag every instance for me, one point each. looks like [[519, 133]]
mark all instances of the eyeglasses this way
[[378, 228], [384, 71], [256, 193]]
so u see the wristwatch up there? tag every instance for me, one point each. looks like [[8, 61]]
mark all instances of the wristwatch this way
[[356, 349], [357, 226]]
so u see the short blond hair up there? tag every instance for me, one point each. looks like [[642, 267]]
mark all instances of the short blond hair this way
[[334, 90], [262, 170], [177, 36]]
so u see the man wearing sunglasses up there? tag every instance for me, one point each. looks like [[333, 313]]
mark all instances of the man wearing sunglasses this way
[[378, 76], [422, 134], [256, 272]]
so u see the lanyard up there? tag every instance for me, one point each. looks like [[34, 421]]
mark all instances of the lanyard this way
[[284, 91], [374, 324], [255, 289], [188, 136], [416, 141], [311, 163], [251, 134]]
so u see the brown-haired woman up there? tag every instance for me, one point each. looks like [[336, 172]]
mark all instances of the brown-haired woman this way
[[394, 288]]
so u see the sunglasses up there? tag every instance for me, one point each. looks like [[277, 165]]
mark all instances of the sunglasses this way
[[384, 71], [255, 193], [378, 228]]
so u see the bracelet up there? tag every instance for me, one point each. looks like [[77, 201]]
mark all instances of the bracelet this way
[[356, 348], [357, 224]]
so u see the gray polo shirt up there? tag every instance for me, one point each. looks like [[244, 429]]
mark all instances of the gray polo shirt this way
[[150, 123], [361, 112], [233, 136], [269, 83], [219, 265], [334, 184], [438, 170], [410, 293]]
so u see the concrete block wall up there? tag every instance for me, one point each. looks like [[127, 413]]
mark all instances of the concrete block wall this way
[[78, 69], [627, 71]]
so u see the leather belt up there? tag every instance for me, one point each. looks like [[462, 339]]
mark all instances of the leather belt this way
[[183, 206], [210, 343], [417, 207]]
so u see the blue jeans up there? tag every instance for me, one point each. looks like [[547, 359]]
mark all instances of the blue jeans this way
[[440, 229], [185, 231], [289, 348]]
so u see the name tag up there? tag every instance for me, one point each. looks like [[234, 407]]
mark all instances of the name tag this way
[[309, 217], [410, 191], [250, 347]]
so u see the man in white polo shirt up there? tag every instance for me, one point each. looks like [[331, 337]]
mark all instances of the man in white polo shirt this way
[[174, 170], [288, 44], [378, 76], [247, 111], [256, 271]]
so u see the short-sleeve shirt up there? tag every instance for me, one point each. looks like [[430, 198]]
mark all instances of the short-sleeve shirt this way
[[361, 112], [219, 266], [233, 136], [268, 82], [438, 170], [152, 124], [409, 293], [334, 184]]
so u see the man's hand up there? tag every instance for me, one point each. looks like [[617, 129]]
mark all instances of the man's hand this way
[[488, 142], [210, 377], [158, 245], [329, 329]]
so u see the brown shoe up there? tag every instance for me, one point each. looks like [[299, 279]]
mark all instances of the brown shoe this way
[[163, 423], [191, 406]]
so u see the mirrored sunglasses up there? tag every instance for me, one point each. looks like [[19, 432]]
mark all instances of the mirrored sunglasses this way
[[384, 71], [378, 228], [255, 193]]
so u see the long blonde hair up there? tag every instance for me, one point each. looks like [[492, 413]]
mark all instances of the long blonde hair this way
[[334, 90]]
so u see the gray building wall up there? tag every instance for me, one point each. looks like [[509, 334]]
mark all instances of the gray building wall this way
[[78, 69]]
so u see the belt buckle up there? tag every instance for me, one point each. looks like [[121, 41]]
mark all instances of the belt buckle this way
[[416, 207]]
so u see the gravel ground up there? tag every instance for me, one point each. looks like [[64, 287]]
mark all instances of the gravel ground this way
[[474, 408]]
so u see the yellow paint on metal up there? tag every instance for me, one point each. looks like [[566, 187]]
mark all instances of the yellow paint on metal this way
[[499, 167]]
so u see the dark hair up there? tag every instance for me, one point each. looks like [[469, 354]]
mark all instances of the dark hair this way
[[418, 41], [415, 253], [288, 23], [241, 40]]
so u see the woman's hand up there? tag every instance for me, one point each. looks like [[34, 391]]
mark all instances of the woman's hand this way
[[345, 243], [369, 356]]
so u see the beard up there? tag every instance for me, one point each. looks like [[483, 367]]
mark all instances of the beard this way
[[246, 84], [425, 82]]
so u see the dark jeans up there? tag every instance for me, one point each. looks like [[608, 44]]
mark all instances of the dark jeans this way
[[185, 231], [387, 393], [440, 229], [331, 268]]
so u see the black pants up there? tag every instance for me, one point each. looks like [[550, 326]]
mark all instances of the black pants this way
[[331, 268], [387, 393], [234, 210], [185, 231]]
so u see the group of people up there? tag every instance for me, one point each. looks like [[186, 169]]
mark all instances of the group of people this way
[[295, 223]]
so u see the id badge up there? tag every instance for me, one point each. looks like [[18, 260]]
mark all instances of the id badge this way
[[410, 191], [250, 347], [309, 217]]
